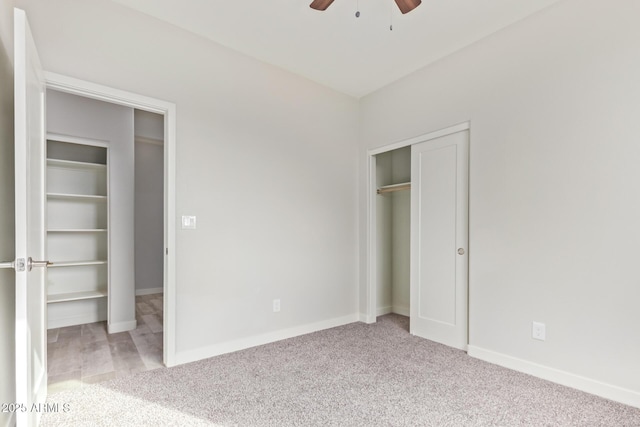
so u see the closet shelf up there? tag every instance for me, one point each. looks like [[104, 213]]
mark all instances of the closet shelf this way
[[69, 196], [394, 187], [76, 263], [76, 296], [77, 230], [71, 164]]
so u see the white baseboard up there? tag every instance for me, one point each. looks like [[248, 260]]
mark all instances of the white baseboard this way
[[608, 391], [149, 291], [381, 311], [397, 309], [117, 327], [256, 340], [401, 310], [62, 322], [365, 318]]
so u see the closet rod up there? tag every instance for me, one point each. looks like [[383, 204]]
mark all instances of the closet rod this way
[[395, 187]]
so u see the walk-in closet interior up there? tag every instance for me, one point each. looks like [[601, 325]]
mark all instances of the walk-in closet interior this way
[[393, 223], [90, 212], [104, 210]]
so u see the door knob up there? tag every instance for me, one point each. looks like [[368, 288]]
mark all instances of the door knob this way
[[31, 263], [460, 251]]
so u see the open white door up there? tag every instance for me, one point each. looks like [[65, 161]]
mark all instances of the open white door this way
[[439, 236], [31, 356]]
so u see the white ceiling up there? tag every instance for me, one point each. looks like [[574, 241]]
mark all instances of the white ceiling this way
[[353, 55]]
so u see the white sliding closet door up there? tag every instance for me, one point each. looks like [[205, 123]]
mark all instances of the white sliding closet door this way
[[439, 236]]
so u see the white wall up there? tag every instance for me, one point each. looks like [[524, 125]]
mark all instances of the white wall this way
[[400, 232], [149, 201], [148, 125], [266, 160], [87, 118], [393, 233], [7, 218], [553, 103], [384, 254], [149, 228]]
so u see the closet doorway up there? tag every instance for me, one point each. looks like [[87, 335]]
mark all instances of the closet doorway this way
[[418, 234], [165, 259], [105, 238]]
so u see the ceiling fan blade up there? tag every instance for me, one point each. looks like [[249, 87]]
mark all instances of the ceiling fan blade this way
[[407, 5], [320, 4]]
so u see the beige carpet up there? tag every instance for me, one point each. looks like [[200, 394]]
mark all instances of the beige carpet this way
[[354, 375]]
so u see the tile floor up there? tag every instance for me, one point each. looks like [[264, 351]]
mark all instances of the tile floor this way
[[87, 354]]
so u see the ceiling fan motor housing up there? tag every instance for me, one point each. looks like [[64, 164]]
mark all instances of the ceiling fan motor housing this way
[[405, 6]]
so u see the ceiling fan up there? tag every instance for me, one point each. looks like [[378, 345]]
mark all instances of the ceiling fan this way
[[404, 5]]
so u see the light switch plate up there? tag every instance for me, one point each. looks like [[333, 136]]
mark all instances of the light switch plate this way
[[188, 222]]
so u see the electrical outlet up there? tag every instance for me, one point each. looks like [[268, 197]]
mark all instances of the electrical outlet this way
[[276, 305], [538, 331]]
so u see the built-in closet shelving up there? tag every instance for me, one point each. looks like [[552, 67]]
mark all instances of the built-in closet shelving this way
[[77, 233]]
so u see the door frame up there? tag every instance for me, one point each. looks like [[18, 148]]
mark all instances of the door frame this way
[[86, 89], [372, 233]]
